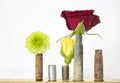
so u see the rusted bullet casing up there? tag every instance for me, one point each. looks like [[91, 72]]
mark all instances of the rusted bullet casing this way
[[98, 65], [65, 73], [39, 67]]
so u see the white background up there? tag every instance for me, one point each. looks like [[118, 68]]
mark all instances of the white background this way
[[19, 18]]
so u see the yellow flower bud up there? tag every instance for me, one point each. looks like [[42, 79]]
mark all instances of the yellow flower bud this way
[[67, 47]]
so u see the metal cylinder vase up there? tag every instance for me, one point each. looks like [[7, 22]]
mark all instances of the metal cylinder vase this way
[[39, 67], [65, 73], [52, 72], [98, 65], [78, 59]]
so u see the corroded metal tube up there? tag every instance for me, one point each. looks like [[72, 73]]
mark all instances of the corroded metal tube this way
[[98, 65], [78, 59], [65, 73], [39, 67]]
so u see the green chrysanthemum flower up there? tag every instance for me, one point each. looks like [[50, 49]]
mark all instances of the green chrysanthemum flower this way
[[37, 42]]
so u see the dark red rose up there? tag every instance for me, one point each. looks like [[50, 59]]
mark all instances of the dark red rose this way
[[74, 17]]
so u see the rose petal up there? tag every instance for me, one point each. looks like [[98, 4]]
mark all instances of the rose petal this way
[[74, 17]]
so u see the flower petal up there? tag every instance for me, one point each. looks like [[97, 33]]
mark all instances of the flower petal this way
[[37, 42], [74, 17]]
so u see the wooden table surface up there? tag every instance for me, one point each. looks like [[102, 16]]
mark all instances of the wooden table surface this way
[[31, 81]]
